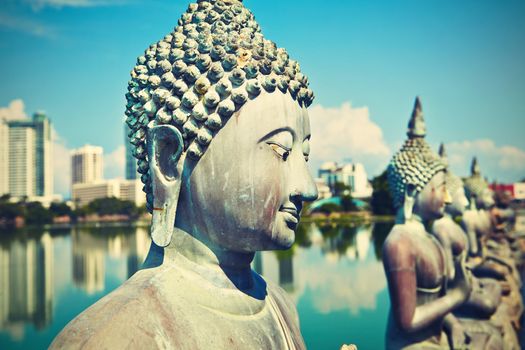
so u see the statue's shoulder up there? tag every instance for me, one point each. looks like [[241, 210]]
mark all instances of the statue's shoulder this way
[[290, 317], [399, 244], [132, 316], [400, 234], [283, 300], [442, 227]]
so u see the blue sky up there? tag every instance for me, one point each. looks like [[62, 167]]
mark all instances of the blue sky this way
[[465, 59]]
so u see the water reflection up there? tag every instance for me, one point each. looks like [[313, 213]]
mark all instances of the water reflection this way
[[91, 246], [335, 276], [26, 277], [333, 273]]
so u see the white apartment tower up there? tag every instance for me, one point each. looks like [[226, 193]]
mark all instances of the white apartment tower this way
[[21, 163], [86, 165], [25, 157]]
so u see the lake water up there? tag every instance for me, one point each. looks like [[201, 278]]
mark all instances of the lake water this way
[[333, 273]]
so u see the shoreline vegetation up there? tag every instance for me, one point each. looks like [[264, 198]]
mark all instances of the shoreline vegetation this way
[[14, 215], [94, 220], [113, 211]]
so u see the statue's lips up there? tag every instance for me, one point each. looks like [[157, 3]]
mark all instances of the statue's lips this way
[[291, 215]]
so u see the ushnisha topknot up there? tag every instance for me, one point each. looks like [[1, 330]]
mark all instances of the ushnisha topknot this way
[[475, 184], [454, 182], [415, 163], [195, 78]]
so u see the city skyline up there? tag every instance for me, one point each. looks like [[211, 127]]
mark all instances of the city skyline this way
[[463, 59]]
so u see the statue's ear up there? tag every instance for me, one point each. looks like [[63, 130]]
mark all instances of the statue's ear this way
[[166, 159], [472, 201], [410, 198]]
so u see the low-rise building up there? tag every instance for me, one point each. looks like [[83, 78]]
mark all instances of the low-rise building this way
[[519, 191], [131, 190], [516, 191], [352, 175], [322, 188]]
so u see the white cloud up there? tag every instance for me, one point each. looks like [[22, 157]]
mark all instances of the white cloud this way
[[502, 163], [115, 163], [14, 111], [344, 133], [38, 4], [26, 25]]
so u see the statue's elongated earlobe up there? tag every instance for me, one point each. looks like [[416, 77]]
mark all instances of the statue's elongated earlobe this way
[[408, 203], [473, 205], [165, 152]]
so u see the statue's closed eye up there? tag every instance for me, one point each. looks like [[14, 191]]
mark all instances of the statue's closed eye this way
[[280, 150]]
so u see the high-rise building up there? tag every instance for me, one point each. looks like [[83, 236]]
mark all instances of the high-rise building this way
[[131, 162], [28, 161], [86, 165], [21, 159], [4, 157], [43, 154]]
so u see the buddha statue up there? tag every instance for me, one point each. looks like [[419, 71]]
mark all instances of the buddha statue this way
[[426, 283], [486, 293], [494, 258], [477, 220], [221, 134]]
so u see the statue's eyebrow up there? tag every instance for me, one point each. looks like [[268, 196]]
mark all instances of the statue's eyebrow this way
[[277, 131]]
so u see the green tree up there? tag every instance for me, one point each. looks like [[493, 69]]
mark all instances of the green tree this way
[[341, 189], [60, 209], [36, 214], [9, 211], [112, 206], [381, 201], [328, 208], [347, 203]]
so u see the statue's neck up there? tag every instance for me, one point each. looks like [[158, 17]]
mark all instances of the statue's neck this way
[[214, 262], [447, 215], [415, 217]]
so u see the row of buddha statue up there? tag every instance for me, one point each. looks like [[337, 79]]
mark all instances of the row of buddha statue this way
[[220, 130], [452, 265]]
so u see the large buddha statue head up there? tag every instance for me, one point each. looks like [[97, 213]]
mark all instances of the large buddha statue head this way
[[221, 132], [416, 174], [458, 199], [477, 188]]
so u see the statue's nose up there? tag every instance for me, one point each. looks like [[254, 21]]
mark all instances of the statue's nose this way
[[303, 185]]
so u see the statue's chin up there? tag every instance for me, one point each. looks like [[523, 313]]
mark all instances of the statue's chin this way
[[284, 237]]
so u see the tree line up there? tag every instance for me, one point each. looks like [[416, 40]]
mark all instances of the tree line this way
[[34, 213]]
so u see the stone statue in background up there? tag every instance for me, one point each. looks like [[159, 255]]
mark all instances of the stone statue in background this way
[[477, 220], [415, 263], [221, 133], [493, 255], [486, 293]]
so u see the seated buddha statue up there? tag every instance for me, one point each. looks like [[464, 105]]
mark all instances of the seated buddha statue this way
[[494, 258], [486, 293], [422, 296], [483, 312], [220, 130], [493, 249]]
